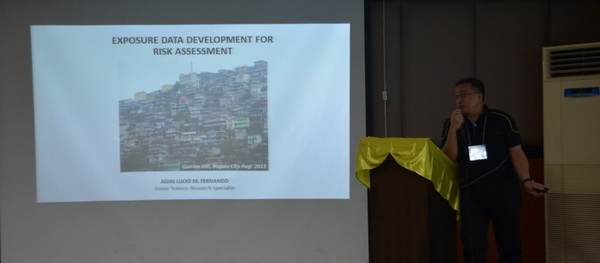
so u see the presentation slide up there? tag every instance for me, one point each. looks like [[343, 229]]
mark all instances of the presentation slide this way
[[173, 112]]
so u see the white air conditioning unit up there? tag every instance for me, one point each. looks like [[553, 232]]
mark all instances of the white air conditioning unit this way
[[572, 152]]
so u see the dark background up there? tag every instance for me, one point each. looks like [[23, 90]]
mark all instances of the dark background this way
[[417, 50]]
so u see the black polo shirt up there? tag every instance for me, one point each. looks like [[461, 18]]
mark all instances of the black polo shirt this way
[[498, 132]]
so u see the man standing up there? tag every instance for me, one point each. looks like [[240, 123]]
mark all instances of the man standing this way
[[486, 144]]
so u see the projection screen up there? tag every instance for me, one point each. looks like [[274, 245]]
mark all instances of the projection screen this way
[[182, 131], [191, 111]]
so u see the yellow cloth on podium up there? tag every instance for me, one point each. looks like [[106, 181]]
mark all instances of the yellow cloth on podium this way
[[419, 155]]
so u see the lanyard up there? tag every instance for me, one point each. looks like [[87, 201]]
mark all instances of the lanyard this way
[[483, 135]]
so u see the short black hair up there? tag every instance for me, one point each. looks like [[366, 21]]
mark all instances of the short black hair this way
[[475, 83]]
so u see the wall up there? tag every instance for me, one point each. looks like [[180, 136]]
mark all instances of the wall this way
[[165, 231], [429, 45], [417, 50]]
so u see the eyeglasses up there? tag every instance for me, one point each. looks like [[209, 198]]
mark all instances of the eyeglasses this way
[[464, 95]]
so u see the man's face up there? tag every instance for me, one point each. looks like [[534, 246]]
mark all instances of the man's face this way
[[467, 98]]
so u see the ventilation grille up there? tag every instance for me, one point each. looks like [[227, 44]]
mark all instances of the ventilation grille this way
[[572, 61], [572, 231]]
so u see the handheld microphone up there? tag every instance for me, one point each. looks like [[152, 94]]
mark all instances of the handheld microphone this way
[[462, 129]]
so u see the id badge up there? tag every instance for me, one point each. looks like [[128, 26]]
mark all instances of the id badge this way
[[477, 152]]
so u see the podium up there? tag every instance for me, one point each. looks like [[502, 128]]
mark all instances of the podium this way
[[413, 199]]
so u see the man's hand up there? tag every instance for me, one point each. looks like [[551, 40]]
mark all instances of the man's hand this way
[[534, 188], [456, 120]]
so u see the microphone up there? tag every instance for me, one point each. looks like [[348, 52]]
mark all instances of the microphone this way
[[462, 132], [462, 128]]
